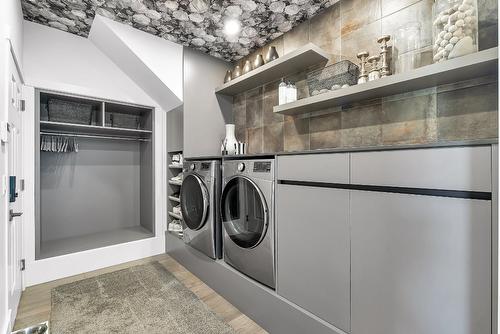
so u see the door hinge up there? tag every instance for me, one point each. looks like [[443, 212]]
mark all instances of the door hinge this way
[[23, 264], [22, 184], [22, 105]]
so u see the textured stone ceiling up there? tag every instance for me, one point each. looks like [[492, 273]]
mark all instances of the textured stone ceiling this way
[[194, 23]]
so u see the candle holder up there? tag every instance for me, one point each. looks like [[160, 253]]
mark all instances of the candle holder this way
[[363, 75], [385, 69], [374, 73]]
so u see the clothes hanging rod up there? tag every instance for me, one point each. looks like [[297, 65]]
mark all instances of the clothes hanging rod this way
[[91, 136]]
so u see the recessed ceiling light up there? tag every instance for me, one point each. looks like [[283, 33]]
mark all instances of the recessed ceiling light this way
[[232, 27]]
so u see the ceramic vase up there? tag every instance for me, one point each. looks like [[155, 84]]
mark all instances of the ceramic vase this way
[[247, 67], [236, 72], [258, 62], [230, 141], [228, 76], [271, 54]]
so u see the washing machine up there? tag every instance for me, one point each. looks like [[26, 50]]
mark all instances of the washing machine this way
[[199, 197], [247, 215]]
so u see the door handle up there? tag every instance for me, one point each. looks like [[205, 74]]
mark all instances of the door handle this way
[[13, 214]]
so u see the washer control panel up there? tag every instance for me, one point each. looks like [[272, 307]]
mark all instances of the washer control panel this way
[[241, 167], [262, 167]]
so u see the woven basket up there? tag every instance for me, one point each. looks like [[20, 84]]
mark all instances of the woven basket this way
[[69, 112], [341, 73]]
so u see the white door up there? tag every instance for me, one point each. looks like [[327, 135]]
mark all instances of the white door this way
[[15, 198]]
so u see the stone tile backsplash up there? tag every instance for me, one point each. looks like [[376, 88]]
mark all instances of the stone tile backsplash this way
[[460, 111]]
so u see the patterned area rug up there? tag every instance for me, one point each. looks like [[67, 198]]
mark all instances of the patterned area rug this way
[[140, 299]]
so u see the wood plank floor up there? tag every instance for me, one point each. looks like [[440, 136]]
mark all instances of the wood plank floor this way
[[34, 307]]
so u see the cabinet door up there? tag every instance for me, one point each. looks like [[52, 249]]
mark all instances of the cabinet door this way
[[205, 113], [420, 264], [313, 250]]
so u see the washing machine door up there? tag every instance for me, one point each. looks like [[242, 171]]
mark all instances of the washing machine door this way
[[194, 202], [244, 212]]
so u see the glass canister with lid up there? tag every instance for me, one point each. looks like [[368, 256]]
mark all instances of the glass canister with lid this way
[[455, 28]]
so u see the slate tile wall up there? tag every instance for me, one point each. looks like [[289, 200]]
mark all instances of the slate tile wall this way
[[461, 111]]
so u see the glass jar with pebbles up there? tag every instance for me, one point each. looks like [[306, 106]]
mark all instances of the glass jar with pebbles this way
[[454, 28]]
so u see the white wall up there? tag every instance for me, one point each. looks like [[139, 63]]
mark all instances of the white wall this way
[[152, 62], [11, 24], [60, 61]]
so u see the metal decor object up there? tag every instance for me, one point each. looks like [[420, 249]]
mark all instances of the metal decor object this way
[[247, 67], [384, 55], [258, 62], [271, 54], [363, 74], [236, 72], [228, 76]]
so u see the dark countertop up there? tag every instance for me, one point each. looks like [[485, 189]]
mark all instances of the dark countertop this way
[[352, 149]]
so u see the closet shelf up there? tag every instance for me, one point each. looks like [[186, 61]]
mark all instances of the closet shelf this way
[[171, 214], [93, 129], [454, 70], [175, 199]]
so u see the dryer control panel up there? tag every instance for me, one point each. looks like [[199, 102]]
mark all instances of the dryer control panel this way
[[262, 167]]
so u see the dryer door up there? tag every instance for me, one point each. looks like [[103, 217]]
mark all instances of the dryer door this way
[[194, 202], [244, 212]]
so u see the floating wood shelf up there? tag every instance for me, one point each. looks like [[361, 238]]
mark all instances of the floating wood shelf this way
[[92, 129], [290, 63], [454, 70]]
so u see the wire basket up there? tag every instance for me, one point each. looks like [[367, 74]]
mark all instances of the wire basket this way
[[341, 73], [69, 112]]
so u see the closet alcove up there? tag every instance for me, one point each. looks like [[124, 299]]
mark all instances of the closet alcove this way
[[94, 175]]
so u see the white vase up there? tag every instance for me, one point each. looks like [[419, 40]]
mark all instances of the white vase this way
[[230, 140]]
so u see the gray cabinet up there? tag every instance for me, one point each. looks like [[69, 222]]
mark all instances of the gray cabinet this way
[[205, 113], [420, 264], [313, 250], [175, 130]]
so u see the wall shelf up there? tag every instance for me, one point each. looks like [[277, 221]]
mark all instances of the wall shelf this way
[[467, 67], [175, 199], [176, 216], [174, 166], [289, 63], [92, 129], [175, 183]]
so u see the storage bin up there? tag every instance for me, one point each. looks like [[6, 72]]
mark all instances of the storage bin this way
[[127, 121], [69, 112], [341, 73]]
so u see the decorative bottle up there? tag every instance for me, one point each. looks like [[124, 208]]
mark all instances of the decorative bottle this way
[[282, 90], [230, 141]]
